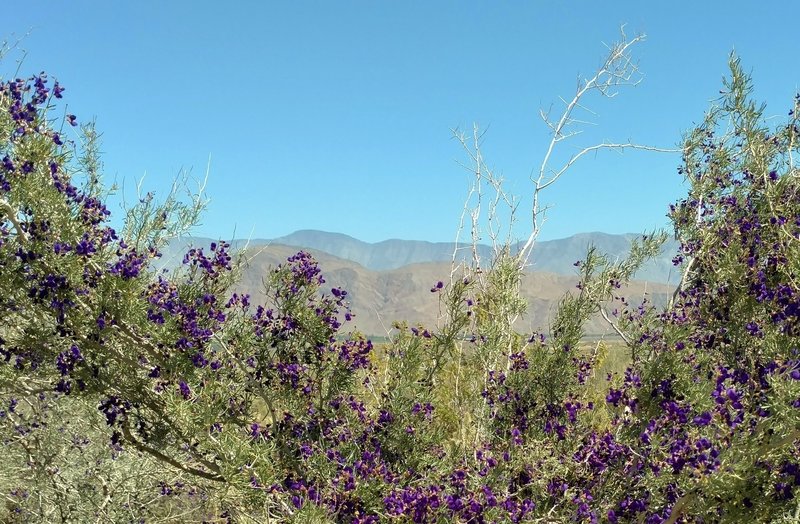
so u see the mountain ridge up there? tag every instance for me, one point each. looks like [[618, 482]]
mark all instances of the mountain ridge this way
[[379, 298], [554, 256], [390, 280]]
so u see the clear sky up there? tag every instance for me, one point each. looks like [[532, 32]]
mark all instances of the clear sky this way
[[338, 115]]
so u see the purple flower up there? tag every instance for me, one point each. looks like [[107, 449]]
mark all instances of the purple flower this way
[[66, 360], [703, 419], [753, 329], [614, 396], [385, 418], [85, 247], [199, 360], [185, 392]]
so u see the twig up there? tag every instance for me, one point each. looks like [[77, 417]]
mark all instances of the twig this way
[[169, 460], [11, 213], [616, 328], [617, 70]]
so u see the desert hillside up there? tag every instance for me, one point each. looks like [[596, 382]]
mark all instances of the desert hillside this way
[[378, 298]]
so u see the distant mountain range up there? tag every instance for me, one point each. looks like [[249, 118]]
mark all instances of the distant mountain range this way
[[553, 256], [391, 280]]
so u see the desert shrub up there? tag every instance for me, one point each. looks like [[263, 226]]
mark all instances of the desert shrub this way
[[711, 396], [128, 394]]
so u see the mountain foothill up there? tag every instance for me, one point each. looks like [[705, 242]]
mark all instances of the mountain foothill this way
[[390, 281]]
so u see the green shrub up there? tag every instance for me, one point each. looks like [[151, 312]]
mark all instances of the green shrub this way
[[132, 395]]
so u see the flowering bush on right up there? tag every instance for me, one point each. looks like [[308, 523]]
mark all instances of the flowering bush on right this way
[[706, 420], [703, 425]]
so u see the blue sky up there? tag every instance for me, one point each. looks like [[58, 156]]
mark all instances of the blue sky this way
[[338, 115]]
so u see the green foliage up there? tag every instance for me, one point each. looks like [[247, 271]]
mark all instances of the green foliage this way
[[127, 394]]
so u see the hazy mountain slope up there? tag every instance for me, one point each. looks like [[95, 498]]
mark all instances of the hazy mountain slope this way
[[388, 254], [398, 291], [558, 256], [380, 297], [555, 256]]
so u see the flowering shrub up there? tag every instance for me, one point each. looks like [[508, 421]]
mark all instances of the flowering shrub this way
[[131, 394]]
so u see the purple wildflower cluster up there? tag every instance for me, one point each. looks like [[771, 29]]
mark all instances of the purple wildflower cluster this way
[[700, 426]]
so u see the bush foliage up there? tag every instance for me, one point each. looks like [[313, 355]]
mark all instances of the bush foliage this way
[[129, 394]]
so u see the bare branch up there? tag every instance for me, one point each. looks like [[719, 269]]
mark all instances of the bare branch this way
[[629, 145], [617, 70], [616, 328], [11, 213], [169, 460]]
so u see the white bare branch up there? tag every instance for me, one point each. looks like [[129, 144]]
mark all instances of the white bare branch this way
[[617, 70], [614, 326]]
